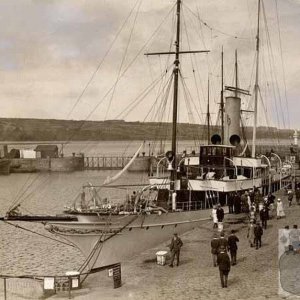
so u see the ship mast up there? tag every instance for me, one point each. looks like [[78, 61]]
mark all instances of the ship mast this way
[[175, 97], [208, 115], [222, 96], [256, 85], [177, 53]]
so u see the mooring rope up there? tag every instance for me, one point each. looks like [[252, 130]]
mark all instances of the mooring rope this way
[[34, 232]]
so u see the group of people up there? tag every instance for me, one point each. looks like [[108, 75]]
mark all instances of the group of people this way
[[260, 209], [290, 239], [219, 247]]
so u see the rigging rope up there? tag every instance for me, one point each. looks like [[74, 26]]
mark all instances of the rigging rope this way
[[101, 62], [282, 64], [123, 60], [272, 62], [123, 73], [37, 233], [214, 29]]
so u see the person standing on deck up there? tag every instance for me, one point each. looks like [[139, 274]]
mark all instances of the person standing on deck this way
[[223, 262], [237, 203], [232, 246], [175, 246], [230, 202]]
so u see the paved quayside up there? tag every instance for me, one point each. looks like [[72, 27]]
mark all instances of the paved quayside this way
[[254, 277]]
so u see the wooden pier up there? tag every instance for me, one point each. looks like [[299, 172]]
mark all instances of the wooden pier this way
[[105, 163]]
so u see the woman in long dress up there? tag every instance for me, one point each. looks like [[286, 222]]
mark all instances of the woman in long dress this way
[[250, 234], [214, 217], [279, 209]]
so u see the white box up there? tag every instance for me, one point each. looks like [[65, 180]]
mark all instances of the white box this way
[[161, 257]]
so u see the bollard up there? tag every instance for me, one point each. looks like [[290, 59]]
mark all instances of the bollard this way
[[4, 282], [70, 286]]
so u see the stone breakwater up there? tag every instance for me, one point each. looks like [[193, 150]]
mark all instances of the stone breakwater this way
[[254, 277]]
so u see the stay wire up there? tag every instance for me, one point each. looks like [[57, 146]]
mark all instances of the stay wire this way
[[214, 29], [191, 59], [272, 62], [123, 60], [140, 97], [282, 65], [123, 73], [101, 62]]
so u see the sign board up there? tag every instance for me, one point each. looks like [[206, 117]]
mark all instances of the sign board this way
[[117, 276], [49, 283], [110, 272], [75, 283]]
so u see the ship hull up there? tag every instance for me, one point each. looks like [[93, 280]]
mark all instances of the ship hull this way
[[4, 167], [125, 236]]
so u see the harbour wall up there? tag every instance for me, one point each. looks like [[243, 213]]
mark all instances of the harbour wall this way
[[60, 164]]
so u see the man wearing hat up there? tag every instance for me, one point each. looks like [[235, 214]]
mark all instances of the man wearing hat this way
[[290, 197], [214, 248], [223, 262], [232, 246], [175, 246]]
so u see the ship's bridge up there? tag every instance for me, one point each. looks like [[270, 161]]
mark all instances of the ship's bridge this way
[[215, 155]]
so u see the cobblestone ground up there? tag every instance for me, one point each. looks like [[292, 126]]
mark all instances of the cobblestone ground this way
[[254, 277]]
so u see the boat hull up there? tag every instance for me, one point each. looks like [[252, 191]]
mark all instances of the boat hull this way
[[125, 236], [4, 167]]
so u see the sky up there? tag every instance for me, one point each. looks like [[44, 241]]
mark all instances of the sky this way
[[79, 59]]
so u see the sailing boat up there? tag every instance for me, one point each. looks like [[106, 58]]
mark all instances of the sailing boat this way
[[196, 182]]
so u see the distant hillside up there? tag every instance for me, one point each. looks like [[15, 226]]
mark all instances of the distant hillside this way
[[62, 130]]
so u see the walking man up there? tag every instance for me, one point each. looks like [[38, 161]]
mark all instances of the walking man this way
[[232, 246], [264, 216], [214, 249], [223, 262], [175, 246], [290, 197], [258, 232], [223, 241], [220, 213]]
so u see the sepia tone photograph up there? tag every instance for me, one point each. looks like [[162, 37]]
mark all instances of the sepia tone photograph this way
[[149, 149]]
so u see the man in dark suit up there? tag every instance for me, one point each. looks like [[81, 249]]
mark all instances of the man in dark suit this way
[[220, 213], [175, 246], [232, 246], [214, 249], [223, 262], [258, 232], [223, 241]]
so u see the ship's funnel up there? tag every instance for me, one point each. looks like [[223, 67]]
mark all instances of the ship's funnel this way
[[234, 140], [232, 123], [216, 139]]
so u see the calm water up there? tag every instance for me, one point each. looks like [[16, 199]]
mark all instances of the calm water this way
[[22, 252]]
